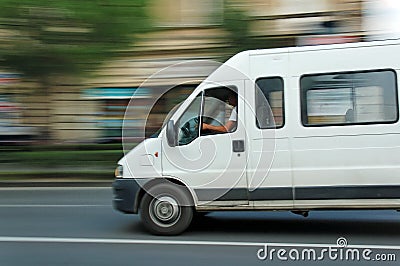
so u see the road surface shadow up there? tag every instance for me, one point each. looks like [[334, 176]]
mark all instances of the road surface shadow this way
[[377, 223]]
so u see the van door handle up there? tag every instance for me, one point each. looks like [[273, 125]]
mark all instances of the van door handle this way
[[238, 145]]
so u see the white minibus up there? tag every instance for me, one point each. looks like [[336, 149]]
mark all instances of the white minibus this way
[[296, 129]]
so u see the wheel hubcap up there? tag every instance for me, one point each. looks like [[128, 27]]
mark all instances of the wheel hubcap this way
[[164, 211]]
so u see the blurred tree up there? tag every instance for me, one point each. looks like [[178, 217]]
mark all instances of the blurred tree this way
[[48, 39], [237, 25]]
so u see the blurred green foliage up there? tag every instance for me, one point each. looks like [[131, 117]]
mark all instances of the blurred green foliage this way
[[46, 38], [237, 24], [50, 40], [59, 161]]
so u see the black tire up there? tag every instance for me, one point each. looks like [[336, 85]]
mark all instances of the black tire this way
[[166, 209]]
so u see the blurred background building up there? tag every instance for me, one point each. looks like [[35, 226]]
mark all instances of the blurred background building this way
[[91, 109]]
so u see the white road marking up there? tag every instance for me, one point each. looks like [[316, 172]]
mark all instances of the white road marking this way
[[9, 239], [123, 241]]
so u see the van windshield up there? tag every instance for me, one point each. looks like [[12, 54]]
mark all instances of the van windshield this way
[[167, 118]]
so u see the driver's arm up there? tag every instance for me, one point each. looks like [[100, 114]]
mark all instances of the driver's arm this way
[[222, 129]]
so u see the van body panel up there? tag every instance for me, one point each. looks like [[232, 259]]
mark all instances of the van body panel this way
[[209, 165], [341, 60], [269, 167], [142, 161]]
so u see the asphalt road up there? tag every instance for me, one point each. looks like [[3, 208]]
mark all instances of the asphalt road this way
[[78, 226]]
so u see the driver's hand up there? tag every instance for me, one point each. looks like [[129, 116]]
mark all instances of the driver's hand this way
[[204, 126]]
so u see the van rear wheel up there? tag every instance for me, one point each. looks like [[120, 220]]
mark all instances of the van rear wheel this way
[[166, 209]]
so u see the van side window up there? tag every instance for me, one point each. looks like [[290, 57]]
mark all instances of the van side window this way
[[349, 98], [269, 103], [220, 110]]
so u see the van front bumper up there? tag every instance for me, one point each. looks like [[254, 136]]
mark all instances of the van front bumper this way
[[126, 192]]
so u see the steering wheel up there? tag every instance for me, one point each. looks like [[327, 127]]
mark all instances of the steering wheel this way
[[190, 127], [186, 129]]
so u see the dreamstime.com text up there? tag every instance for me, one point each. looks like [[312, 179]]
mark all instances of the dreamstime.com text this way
[[339, 252]]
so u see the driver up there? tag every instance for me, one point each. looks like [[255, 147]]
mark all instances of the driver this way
[[230, 125]]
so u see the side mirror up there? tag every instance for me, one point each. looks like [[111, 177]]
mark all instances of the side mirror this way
[[171, 133]]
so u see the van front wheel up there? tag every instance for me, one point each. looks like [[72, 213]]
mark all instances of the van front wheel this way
[[166, 209]]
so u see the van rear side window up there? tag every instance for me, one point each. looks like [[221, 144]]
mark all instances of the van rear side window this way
[[368, 97], [269, 103]]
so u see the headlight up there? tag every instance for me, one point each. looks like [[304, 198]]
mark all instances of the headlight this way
[[119, 171]]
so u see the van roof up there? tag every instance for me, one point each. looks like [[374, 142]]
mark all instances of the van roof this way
[[323, 47]]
